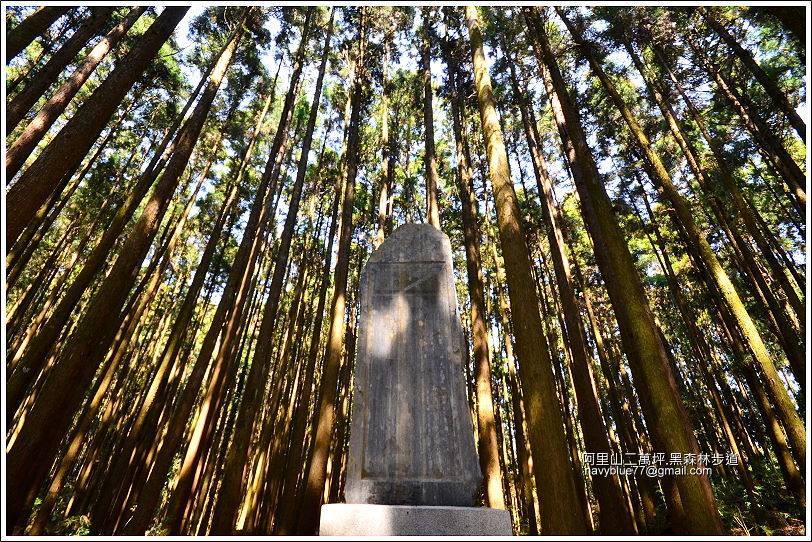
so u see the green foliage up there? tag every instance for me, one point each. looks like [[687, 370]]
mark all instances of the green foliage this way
[[773, 511]]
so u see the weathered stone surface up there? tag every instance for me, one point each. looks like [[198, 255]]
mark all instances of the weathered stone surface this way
[[387, 520], [412, 437]]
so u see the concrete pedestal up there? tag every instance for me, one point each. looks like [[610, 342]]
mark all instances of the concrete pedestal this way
[[400, 520]]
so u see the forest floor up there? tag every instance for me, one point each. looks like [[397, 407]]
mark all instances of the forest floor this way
[[793, 527]]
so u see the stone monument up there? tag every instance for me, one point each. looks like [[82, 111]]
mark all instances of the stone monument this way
[[412, 467]]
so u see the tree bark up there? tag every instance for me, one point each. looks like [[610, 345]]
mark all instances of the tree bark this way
[[45, 77], [747, 215], [19, 37], [615, 517], [71, 144], [25, 143], [429, 158], [795, 427], [286, 515], [387, 154], [560, 508], [33, 450], [657, 389], [746, 58], [225, 512], [316, 476], [35, 357], [771, 146], [487, 447]]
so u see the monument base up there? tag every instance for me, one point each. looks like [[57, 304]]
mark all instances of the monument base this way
[[401, 520]]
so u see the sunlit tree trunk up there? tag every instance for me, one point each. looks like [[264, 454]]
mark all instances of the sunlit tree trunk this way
[[430, 156], [25, 143], [784, 404], [61, 395], [488, 446], [657, 390], [746, 58], [28, 29], [224, 517], [560, 508], [316, 476], [71, 144]]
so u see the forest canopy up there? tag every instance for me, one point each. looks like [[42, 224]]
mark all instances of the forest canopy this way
[[191, 195]]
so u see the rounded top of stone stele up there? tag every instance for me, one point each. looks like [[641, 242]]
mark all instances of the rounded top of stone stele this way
[[414, 243]]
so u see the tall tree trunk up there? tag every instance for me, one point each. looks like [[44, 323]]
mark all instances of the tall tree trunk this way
[[387, 161], [699, 345], [286, 515], [560, 508], [429, 158], [487, 447], [134, 314], [231, 301], [784, 405], [18, 255], [227, 324], [225, 512], [134, 450], [71, 144], [28, 29], [25, 143], [746, 58], [36, 356], [615, 517], [657, 389], [45, 77], [316, 477], [747, 215], [33, 450], [772, 147], [792, 477], [785, 331]]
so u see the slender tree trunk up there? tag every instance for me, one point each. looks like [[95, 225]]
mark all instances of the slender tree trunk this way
[[699, 346], [45, 77], [487, 447], [52, 413], [429, 158], [517, 403], [30, 28], [615, 517], [17, 257], [657, 389], [387, 163], [792, 477], [71, 144], [560, 508], [230, 307], [746, 58], [36, 356], [25, 143], [124, 464], [784, 405], [225, 513], [774, 149], [287, 513], [784, 330], [317, 469], [748, 216]]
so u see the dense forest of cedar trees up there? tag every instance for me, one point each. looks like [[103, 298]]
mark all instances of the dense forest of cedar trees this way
[[191, 197]]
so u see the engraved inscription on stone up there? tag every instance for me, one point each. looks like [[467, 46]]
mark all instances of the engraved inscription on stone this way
[[412, 438]]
